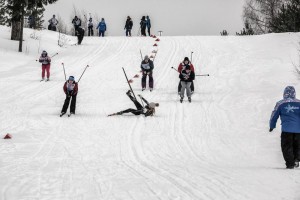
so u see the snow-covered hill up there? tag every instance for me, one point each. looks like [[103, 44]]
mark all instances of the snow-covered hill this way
[[217, 147]]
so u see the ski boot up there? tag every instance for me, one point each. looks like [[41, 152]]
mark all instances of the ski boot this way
[[181, 99], [48, 79], [190, 100], [62, 113], [128, 92], [151, 89]]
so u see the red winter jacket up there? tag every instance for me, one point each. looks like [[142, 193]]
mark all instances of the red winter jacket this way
[[181, 67], [71, 88]]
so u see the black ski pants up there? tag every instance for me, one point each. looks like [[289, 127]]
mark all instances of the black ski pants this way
[[137, 111], [91, 31], [290, 146], [143, 31], [192, 87], [148, 29], [128, 32], [144, 79], [80, 38], [67, 102]]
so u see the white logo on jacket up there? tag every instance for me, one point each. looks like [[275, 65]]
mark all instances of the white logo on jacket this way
[[290, 108]]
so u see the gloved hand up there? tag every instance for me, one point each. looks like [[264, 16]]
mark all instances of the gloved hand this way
[[144, 72], [271, 129]]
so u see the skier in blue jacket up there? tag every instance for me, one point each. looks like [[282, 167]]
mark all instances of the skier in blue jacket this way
[[289, 111], [102, 27]]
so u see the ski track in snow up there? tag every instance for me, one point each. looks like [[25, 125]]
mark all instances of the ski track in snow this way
[[216, 147]]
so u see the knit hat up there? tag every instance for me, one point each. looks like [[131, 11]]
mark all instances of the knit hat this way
[[71, 78], [146, 57], [186, 59], [44, 53]]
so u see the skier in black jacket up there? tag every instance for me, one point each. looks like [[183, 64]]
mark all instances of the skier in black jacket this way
[[143, 24], [149, 109], [128, 26], [80, 34]]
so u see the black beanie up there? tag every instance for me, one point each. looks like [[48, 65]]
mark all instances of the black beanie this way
[[186, 59]]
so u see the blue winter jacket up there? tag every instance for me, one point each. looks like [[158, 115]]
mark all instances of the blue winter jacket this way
[[289, 111], [101, 26]]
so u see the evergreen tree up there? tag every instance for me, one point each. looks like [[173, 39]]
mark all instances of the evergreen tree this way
[[288, 18]]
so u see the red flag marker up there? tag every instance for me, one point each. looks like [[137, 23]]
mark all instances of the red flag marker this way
[[8, 136]]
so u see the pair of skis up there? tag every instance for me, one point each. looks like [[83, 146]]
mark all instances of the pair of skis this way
[[46, 80], [69, 115]]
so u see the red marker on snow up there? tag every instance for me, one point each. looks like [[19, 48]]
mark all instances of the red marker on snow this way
[[8, 136]]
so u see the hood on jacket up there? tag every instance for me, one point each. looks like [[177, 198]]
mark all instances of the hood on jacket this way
[[289, 93]]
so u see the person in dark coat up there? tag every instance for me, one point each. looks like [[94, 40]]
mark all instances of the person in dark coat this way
[[149, 109], [186, 77], [288, 109], [147, 67], [71, 89], [181, 66], [128, 26], [148, 25], [76, 22], [143, 26], [80, 35]]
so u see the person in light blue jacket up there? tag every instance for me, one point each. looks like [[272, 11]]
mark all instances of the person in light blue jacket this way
[[288, 109], [102, 27]]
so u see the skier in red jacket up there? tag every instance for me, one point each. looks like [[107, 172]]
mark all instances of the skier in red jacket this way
[[181, 67], [45, 60]]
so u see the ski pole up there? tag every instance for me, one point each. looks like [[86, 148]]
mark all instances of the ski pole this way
[[128, 82], [174, 69], [83, 73], [203, 75], [192, 56], [50, 57], [141, 54], [64, 71], [54, 55]]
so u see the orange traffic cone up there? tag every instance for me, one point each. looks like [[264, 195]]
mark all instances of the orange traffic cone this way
[[8, 136]]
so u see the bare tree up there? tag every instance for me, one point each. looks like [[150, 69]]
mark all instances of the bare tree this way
[[261, 13]]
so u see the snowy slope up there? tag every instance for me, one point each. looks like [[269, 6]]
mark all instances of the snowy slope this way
[[217, 147]]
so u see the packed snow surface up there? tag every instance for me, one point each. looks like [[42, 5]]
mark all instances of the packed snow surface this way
[[217, 147]]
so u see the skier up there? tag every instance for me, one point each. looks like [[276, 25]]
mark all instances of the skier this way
[[289, 111], [186, 77], [147, 67], [76, 22], [128, 26], [149, 109], [102, 27], [148, 24], [143, 26], [52, 23], [90, 27], [45, 60], [181, 66], [80, 34], [71, 90]]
